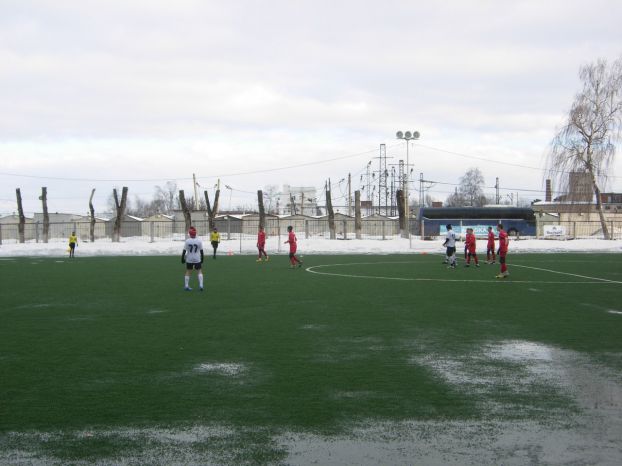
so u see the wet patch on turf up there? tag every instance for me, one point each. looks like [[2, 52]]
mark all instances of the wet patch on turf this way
[[80, 318], [614, 311], [229, 369], [34, 306], [523, 378], [156, 311], [316, 327], [205, 445]]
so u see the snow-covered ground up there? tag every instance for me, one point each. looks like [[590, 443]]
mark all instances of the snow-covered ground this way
[[143, 247]]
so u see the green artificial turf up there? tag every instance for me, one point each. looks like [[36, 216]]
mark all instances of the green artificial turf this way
[[114, 342]]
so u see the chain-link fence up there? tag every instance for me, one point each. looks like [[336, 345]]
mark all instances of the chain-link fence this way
[[232, 228]]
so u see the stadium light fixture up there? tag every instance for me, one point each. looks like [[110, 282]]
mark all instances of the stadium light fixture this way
[[407, 136]]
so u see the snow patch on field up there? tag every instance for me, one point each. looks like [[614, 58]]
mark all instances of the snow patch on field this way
[[221, 368]]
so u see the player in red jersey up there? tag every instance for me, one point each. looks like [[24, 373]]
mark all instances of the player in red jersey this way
[[261, 244], [490, 247], [503, 250], [293, 247], [470, 247]]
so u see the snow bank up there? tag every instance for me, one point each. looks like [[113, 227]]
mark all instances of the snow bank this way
[[140, 247]]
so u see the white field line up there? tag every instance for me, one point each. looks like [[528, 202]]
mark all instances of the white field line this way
[[566, 273], [593, 280]]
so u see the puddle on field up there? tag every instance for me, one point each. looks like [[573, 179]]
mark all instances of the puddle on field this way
[[365, 444], [156, 311], [613, 311]]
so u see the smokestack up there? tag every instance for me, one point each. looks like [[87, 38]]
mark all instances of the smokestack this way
[[548, 194]]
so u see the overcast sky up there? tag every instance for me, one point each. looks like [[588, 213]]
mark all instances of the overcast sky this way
[[104, 94]]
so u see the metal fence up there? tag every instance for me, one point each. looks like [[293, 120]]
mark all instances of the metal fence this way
[[229, 229], [540, 229], [239, 229], [571, 229]]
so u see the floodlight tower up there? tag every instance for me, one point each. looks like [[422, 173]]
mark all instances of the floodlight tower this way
[[407, 136]]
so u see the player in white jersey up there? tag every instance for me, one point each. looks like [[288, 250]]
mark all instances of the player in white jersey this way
[[192, 256], [450, 244]]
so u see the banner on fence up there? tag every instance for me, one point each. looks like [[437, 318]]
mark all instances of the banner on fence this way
[[554, 231], [480, 231]]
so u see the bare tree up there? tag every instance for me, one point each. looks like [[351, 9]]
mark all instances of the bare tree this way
[[472, 188], [212, 211], [455, 199], [92, 210], [46, 215], [331, 213], [586, 142], [262, 212], [166, 198], [270, 194], [120, 208], [22, 218], [185, 210]]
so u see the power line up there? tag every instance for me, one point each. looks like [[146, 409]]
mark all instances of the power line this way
[[484, 159], [222, 175]]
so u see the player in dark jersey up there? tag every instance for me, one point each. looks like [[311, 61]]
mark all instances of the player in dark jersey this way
[[192, 256]]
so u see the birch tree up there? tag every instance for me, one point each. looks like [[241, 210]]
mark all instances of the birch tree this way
[[586, 142]]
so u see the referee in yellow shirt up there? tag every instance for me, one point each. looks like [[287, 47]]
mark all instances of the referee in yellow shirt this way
[[214, 238], [73, 242]]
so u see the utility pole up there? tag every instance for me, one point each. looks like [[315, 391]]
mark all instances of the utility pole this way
[[497, 199], [368, 189], [383, 191], [302, 202], [421, 200]]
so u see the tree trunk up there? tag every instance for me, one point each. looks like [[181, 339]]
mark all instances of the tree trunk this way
[[401, 210], [22, 219], [92, 209], [216, 199], [331, 214], [599, 207], [185, 210], [120, 206], [212, 211], [358, 226], [46, 216], [262, 212]]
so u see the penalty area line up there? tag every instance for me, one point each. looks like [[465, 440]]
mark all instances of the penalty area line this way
[[567, 273], [411, 279]]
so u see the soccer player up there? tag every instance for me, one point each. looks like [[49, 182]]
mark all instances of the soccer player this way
[[450, 244], [192, 256], [73, 242], [214, 238], [503, 251], [490, 247], [470, 245], [293, 247], [261, 244]]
